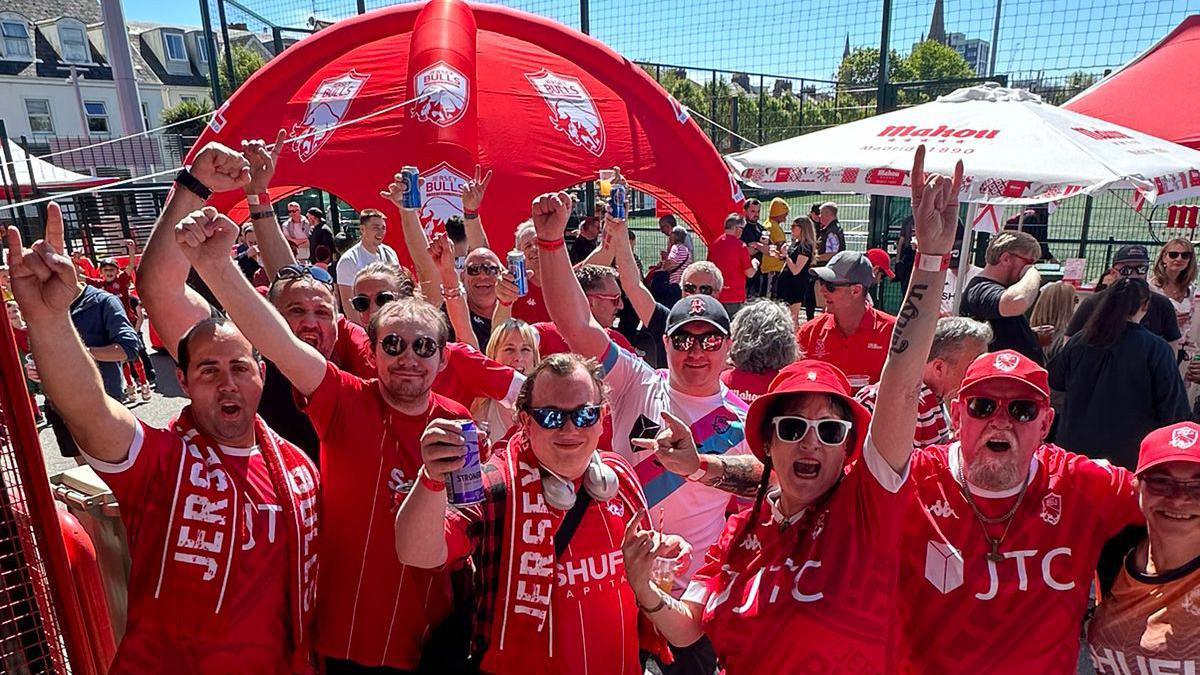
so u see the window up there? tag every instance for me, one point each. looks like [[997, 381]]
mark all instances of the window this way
[[175, 49], [16, 39], [146, 116], [97, 117], [202, 48], [188, 99], [74, 44], [38, 111]]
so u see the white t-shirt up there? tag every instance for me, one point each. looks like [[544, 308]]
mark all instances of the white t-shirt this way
[[357, 257], [640, 394], [949, 305]]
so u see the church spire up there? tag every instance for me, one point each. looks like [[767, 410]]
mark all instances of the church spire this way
[[937, 25]]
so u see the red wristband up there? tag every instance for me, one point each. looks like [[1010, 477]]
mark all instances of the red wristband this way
[[552, 244], [929, 262], [429, 483], [260, 199]]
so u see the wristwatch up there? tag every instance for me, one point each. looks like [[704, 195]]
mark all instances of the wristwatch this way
[[187, 181]]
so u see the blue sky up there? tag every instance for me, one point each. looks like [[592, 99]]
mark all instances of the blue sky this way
[[804, 38]]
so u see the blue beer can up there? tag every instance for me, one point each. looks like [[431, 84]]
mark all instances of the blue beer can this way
[[516, 267], [412, 191], [618, 202], [466, 484]]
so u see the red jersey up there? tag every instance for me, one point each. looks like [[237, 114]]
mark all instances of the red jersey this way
[[963, 613], [371, 609], [812, 593], [256, 593], [732, 257], [860, 355], [469, 375], [551, 341], [748, 386], [352, 352], [119, 287], [933, 422], [532, 307]]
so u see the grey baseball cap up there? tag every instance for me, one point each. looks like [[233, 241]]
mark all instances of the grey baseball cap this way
[[847, 267]]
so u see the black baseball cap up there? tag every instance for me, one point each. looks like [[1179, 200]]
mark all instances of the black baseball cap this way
[[703, 308], [1132, 253], [109, 262]]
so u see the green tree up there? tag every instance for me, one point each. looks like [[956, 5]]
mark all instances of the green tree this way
[[935, 61], [186, 110], [245, 63], [860, 71]]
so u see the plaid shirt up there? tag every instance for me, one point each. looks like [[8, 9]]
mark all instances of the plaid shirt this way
[[933, 425], [484, 524]]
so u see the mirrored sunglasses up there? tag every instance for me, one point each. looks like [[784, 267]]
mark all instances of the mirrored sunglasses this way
[[555, 418], [394, 345]]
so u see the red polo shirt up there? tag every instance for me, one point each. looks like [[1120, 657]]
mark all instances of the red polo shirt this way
[[732, 257], [859, 354]]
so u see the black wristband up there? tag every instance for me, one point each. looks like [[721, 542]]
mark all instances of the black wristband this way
[[187, 181], [255, 215]]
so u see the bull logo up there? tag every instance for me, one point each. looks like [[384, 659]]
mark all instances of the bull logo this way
[[443, 196], [572, 110], [1006, 362], [735, 190], [696, 308], [1052, 508], [1184, 437], [326, 109], [445, 93]]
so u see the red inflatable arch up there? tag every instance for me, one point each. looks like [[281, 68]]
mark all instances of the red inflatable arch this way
[[543, 106]]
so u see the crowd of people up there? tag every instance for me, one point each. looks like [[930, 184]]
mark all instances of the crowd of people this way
[[684, 470]]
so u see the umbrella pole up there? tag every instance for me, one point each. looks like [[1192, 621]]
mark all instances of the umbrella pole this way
[[964, 260]]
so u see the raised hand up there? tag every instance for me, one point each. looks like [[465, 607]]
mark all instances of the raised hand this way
[[44, 280], [674, 446], [262, 160], [550, 214], [221, 168], [935, 206], [443, 448], [640, 546], [442, 252], [395, 191], [206, 236], [506, 288], [472, 190]]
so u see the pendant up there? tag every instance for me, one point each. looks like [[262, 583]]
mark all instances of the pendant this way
[[995, 555]]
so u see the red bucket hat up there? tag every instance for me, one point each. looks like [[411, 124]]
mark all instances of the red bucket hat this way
[[805, 377]]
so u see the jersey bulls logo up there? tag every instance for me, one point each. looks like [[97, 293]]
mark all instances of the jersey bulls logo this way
[[1006, 362], [1184, 438], [572, 110], [735, 190], [1052, 508], [443, 196], [696, 308], [326, 109], [446, 93]]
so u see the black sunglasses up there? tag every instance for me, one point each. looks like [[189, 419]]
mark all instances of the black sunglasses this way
[[709, 342], [830, 286], [297, 271], [1134, 269], [793, 428], [476, 269], [1162, 486], [703, 289], [554, 418], [1021, 410], [362, 303], [1186, 255], [394, 345]]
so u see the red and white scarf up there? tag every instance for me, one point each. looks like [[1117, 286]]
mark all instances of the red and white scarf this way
[[202, 535], [522, 635]]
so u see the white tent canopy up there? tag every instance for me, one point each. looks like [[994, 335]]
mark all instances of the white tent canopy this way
[[30, 170], [1015, 150]]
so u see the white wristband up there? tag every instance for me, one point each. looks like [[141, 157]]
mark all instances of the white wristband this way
[[701, 472]]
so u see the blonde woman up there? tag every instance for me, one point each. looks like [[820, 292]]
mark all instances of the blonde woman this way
[[795, 285], [513, 343], [1174, 275], [1051, 314]]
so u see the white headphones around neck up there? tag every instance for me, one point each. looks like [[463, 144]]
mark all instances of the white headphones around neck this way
[[599, 480]]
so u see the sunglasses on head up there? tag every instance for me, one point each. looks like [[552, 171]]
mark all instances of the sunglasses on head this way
[[362, 303], [1165, 486], [709, 342], [394, 345], [1173, 255], [1021, 410], [1133, 269], [793, 429], [475, 269], [297, 271], [703, 289], [554, 418]]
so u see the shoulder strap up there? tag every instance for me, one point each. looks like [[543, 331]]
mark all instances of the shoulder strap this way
[[570, 523]]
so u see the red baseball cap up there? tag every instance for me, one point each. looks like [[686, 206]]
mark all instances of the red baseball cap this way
[[1006, 364], [805, 377], [1175, 443], [879, 258]]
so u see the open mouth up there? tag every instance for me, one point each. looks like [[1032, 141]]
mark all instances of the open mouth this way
[[999, 445], [1175, 515], [806, 468], [311, 339], [230, 410]]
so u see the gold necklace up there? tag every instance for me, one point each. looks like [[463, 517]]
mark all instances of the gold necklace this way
[[993, 554]]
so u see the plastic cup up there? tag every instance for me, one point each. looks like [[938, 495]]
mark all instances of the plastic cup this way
[[606, 177], [858, 381], [663, 571]]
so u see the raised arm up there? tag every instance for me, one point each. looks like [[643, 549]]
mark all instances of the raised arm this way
[[1018, 298], [415, 240], [162, 274], [420, 522], [442, 253], [629, 275], [472, 197], [45, 283], [935, 212], [565, 300], [272, 244], [675, 448], [205, 237]]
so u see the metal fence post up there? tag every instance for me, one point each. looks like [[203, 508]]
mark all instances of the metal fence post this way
[[762, 106], [585, 20], [233, 83], [210, 45], [362, 7], [1083, 230], [877, 212]]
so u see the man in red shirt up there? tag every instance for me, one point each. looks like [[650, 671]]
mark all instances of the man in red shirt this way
[[371, 611], [531, 307], [1003, 534], [851, 334], [221, 513], [730, 254], [553, 599], [603, 291]]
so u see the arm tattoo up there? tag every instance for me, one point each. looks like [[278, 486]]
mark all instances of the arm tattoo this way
[[740, 475], [907, 313]]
